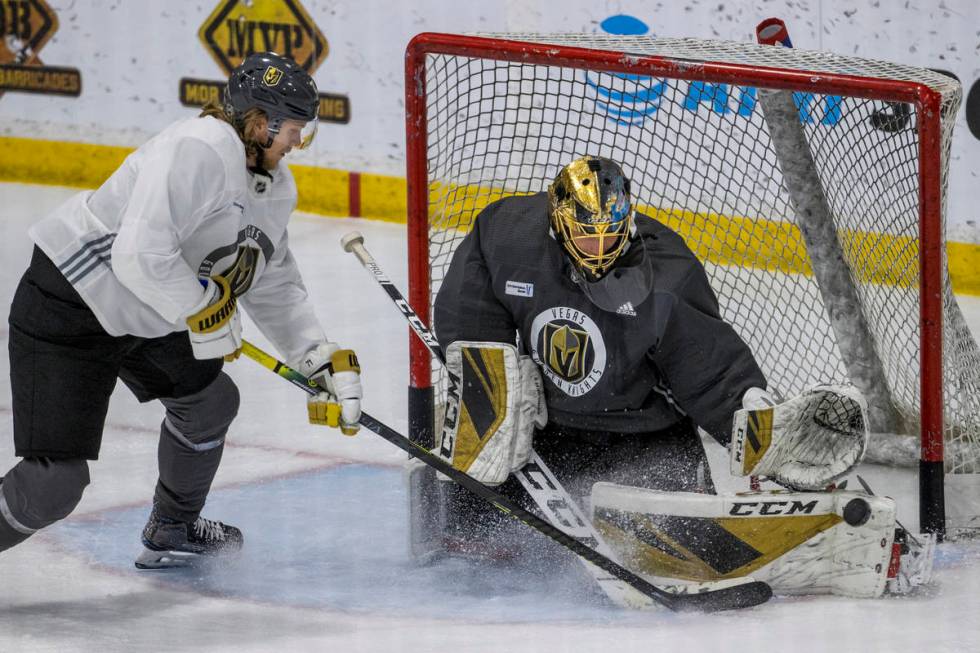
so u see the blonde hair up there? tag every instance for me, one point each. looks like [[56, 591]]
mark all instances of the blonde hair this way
[[246, 125]]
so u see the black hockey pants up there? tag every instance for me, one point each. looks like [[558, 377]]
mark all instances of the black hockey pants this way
[[63, 369]]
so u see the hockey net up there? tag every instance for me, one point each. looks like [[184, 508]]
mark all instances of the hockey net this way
[[496, 115]]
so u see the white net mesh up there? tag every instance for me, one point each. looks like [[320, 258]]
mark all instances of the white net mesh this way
[[701, 160]]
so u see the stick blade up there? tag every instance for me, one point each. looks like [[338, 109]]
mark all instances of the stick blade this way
[[736, 597]]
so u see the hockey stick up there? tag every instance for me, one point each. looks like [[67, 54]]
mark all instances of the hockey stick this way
[[536, 478], [738, 596]]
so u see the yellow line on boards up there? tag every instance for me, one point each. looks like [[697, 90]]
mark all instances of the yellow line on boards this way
[[770, 244]]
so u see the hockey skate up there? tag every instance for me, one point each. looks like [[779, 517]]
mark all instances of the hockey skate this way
[[168, 543]]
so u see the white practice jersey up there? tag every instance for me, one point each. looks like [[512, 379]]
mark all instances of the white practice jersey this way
[[178, 210]]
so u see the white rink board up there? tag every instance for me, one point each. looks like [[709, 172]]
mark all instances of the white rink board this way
[[131, 58]]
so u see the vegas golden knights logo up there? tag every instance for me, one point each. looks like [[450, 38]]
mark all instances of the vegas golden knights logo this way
[[272, 76], [569, 347], [566, 350], [242, 272]]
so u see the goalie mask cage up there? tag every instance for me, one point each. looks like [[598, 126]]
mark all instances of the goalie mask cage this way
[[696, 125]]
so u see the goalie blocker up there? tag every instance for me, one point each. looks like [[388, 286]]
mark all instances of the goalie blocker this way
[[494, 403]]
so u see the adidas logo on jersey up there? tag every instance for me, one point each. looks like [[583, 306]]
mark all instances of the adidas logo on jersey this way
[[626, 309]]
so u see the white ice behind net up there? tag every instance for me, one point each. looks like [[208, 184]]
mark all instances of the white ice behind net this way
[[701, 160]]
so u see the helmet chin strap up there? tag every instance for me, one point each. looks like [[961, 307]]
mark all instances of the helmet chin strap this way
[[272, 127], [260, 156], [272, 132]]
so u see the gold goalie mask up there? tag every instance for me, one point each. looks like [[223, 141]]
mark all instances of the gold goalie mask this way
[[591, 213]]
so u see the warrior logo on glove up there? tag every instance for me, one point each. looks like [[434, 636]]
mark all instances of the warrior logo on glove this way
[[214, 326], [209, 320]]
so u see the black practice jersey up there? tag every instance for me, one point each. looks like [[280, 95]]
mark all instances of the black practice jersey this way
[[622, 372]]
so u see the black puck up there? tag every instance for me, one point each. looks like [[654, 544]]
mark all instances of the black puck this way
[[857, 512]]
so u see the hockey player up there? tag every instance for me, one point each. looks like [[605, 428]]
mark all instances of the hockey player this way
[[617, 314], [141, 280], [575, 325]]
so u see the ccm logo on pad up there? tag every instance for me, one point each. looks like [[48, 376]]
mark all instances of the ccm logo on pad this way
[[794, 507]]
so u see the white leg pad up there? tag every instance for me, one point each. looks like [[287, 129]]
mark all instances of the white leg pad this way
[[798, 542]]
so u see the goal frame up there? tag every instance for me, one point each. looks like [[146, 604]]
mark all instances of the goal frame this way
[[928, 104]]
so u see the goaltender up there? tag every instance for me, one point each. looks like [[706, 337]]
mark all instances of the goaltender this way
[[590, 332], [617, 314]]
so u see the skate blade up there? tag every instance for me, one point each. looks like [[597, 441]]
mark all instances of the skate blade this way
[[150, 559]]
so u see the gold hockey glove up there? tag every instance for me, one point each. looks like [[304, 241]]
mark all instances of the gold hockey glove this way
[[338, 374]]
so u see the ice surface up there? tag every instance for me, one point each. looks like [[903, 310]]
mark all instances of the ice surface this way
[[325, 565]]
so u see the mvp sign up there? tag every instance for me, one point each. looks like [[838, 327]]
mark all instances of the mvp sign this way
[[237, 28]]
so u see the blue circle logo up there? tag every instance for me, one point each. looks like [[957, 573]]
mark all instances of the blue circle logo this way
[[624, 25]]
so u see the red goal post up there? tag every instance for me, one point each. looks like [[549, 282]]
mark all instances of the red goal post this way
[[621, 61]]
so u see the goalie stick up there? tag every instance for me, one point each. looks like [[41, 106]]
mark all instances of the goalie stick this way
[[537, 479], [729, 598]]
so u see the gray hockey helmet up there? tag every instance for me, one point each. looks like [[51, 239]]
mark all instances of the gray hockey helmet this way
[[278, 86]]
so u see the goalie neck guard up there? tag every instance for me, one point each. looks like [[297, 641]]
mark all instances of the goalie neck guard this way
[[279, 87], [592, 217]]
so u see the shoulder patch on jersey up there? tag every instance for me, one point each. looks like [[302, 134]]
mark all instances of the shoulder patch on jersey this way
[[519, 289]]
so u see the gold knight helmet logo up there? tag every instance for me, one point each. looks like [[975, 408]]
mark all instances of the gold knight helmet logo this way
[[566, 349], [272, 76], [569, 347], [242, 272]]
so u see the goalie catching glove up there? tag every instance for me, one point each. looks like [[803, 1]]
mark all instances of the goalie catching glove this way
[[804, 443], [338, 374], [495, 400], [214, 326]]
